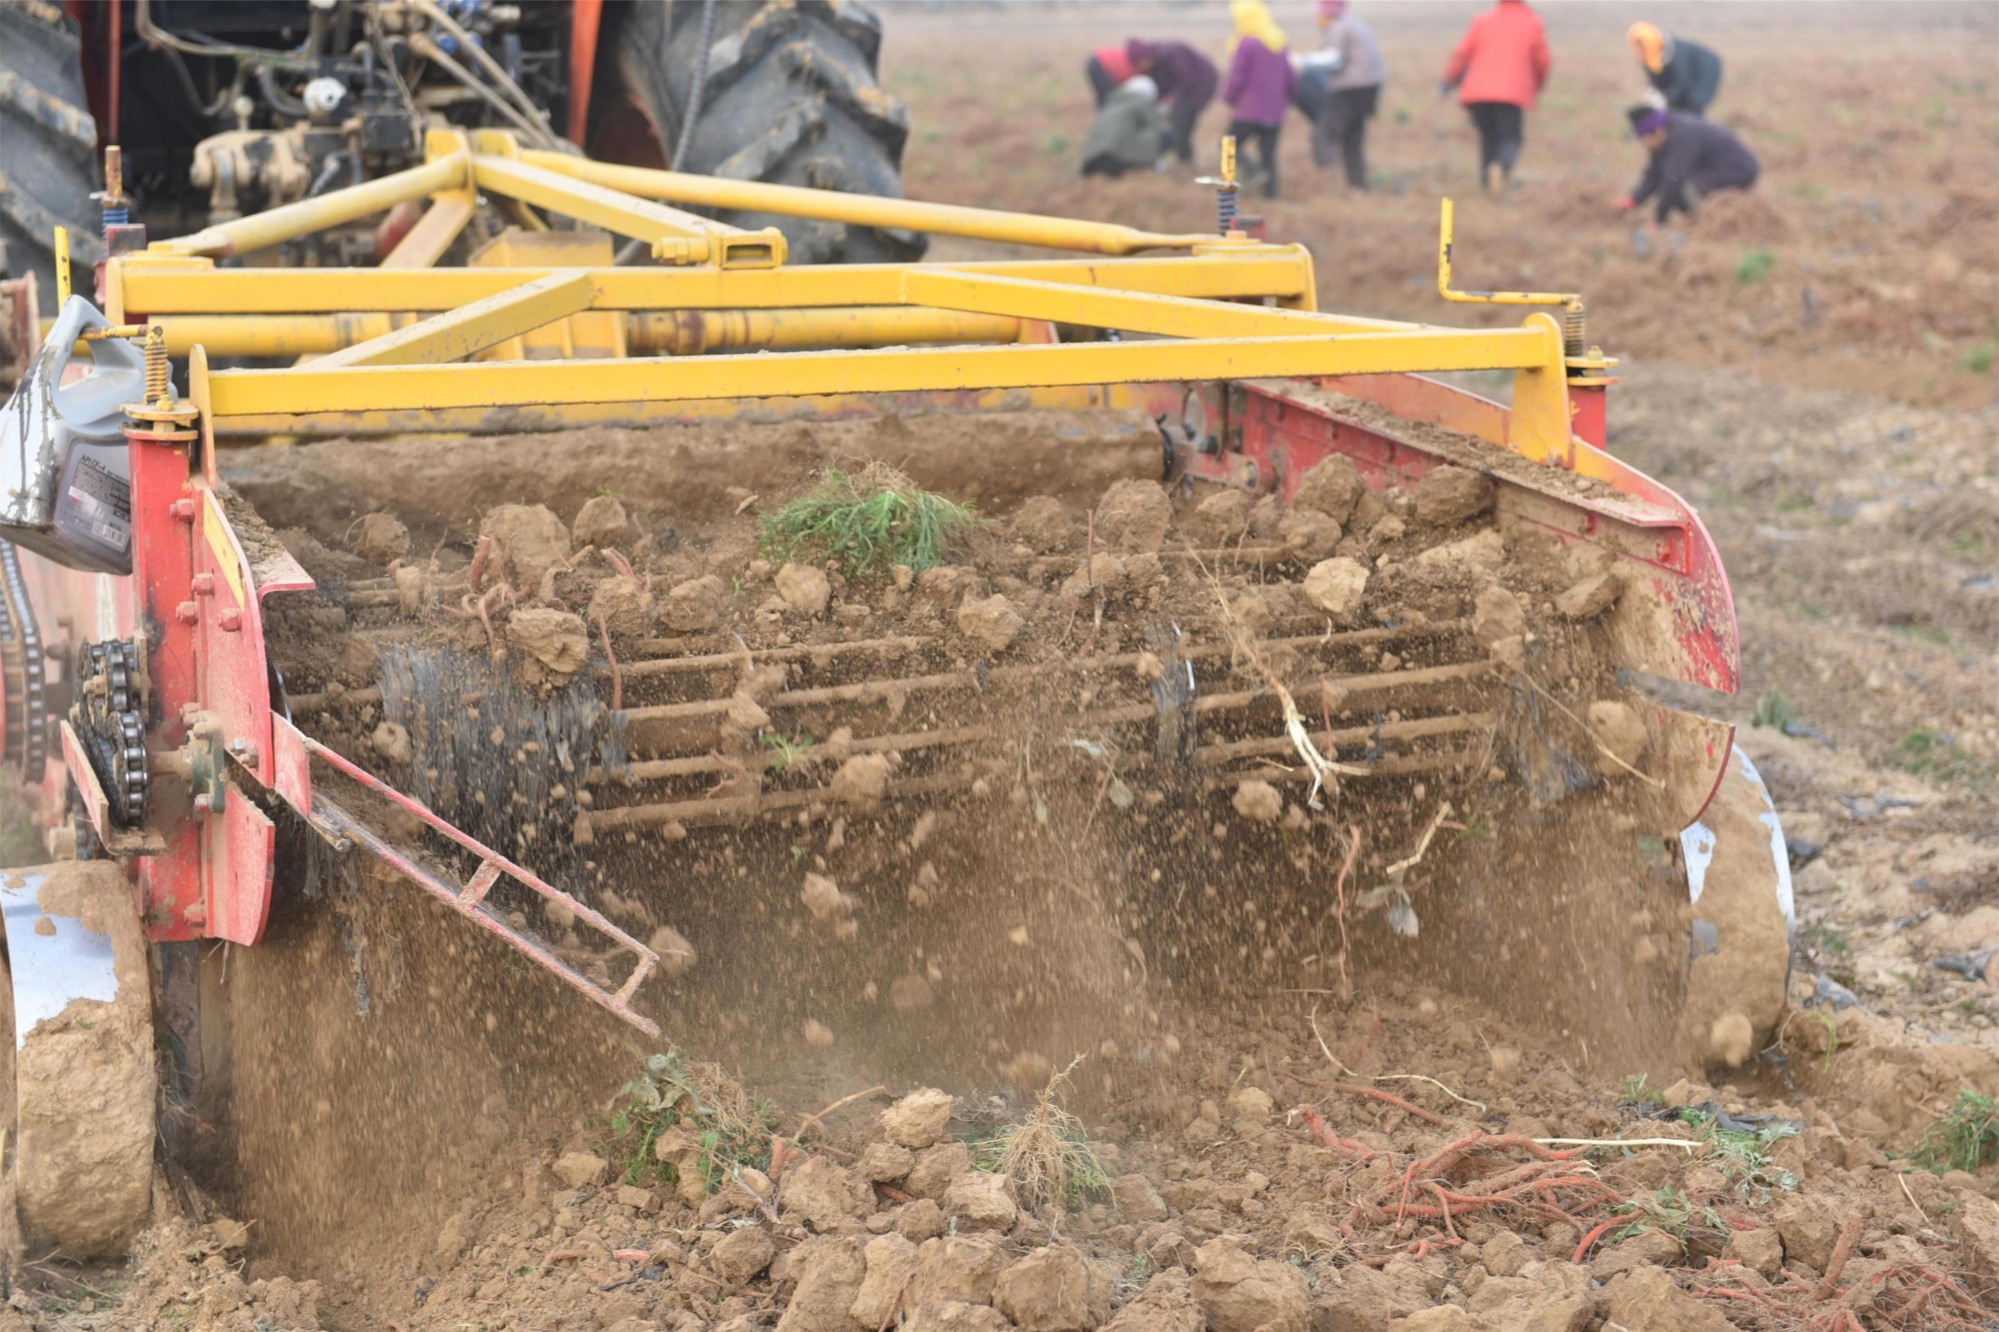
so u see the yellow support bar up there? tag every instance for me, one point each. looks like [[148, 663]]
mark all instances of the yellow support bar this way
[[156, 286], [425, 243], [619, 213], [491, 384], [669, 332], [1168, 316], [691, 332], [456, 334], [336, 207], [867, 210], [1445, 229]]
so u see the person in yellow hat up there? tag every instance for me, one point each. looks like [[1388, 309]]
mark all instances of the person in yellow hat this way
[[1685, 74]]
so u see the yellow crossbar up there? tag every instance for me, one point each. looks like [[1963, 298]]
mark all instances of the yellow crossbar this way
[[491, 384], [456, 334]]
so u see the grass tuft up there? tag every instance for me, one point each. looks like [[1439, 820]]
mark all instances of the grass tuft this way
[[1049, 1157], [1773, 710], [867, 523], [1964, 1137], [1754, 266], [723, 1126]]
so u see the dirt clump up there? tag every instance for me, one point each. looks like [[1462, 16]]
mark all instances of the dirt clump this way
[[1055, 1289], [529, 539], [1257, 801], [1241, 1293], [804, 588], [1044, 522], [381, 538], [991, 624], [1332, 486], [696, 605], [1447, 496], [1337, 587], [1134, 517], [558, 639], [601, 522], [917, 1120]]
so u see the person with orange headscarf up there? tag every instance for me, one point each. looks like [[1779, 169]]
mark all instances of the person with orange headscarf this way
[[1685, 74]]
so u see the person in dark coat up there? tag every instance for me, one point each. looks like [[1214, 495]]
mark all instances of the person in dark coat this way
[[1690, 159], [1107, 67], [1187, 81], [1353, 74], [1258, 91], [1686, 74]]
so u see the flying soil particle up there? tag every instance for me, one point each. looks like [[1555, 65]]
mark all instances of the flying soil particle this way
[[1622, 731], [861, 782], [1732, 1039], [676, 954], [1043, 522], [823, 898], [1258, 801], [392, 742], [992, 624], [817, 1034]]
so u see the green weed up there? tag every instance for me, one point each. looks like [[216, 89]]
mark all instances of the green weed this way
[[1744, 1156], [1773, 711], [1056, 144], [1670, 1211], [1755, 266], [1824, 939], [1964, 1137], [1978, 360], [1929, 752], [785, 750], [1638, 1090], [722, 1126], [867, 523], [1793, 501]]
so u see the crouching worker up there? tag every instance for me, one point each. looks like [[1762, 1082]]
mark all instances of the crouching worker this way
[[1690, 158], [1129, 134]]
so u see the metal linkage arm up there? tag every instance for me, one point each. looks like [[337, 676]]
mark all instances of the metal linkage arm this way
[[867, 210], [469, 898]]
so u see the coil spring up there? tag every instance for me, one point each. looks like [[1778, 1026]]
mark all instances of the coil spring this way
[[1225, 209], [159, 386], [115, 217], [1575, 331]]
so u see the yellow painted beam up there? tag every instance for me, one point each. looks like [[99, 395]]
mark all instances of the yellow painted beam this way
[[868, 210], [334, 208], [426, 242], [691, 332], [491, 384], [1132, 312], [456, 334], [147, 285], [618, 213]]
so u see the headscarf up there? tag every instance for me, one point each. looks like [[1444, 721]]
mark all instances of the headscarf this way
[[1252, 19], [1331, 9], [1649, 45], [1646, 119]]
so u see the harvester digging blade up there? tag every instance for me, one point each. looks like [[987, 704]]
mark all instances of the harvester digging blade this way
[[80, 1089], [473, 896]]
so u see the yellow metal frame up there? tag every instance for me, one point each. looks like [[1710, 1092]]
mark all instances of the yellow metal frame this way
[[394, 344]]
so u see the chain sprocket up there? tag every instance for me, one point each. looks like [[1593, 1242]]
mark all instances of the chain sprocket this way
[[109, 721], [21, 654]]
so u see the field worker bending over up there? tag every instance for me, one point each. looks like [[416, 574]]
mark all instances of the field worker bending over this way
[[1258, 90], [1353, 72], [1187, 81], [1128, 134], [1686, 74], [1107, 67], [1499, 69], [1691, 158]]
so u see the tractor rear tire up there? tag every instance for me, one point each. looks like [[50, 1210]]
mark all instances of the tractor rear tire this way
[[791, 97], [48, 145]]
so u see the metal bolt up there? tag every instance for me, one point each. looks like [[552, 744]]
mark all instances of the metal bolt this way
[[231, 620], [204, 584], [182, 509], [203, 803], [187, 613]]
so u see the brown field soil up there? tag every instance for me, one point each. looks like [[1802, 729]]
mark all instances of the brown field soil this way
[[1863, 260]]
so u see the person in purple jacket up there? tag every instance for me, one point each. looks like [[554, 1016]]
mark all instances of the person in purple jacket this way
[[1258, 90], [1186, 80]]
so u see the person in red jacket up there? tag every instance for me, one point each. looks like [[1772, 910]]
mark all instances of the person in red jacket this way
[[1499, 68]]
